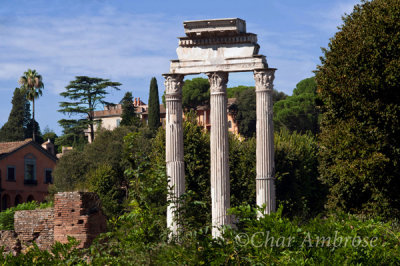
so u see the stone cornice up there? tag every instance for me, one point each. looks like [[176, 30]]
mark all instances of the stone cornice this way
[[250, 38]]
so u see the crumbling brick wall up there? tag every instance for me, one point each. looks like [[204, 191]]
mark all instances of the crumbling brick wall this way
[[9, 240], [78, 214], [35, 226]]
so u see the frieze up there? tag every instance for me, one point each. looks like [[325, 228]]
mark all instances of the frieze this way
[[237, 39]]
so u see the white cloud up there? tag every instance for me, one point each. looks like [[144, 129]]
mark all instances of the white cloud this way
[[61, 48]]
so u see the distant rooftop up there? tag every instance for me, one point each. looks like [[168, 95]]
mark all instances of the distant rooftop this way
[[7, 147]]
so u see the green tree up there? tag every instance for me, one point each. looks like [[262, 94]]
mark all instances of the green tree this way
[[49, 134], [244, 109], [245, 112], [358, 81], [154, 106], [73, 133], [298, 112], [16, 127], [129, 116], [195, 92], [105, 182], [32, 85], [85, 94]]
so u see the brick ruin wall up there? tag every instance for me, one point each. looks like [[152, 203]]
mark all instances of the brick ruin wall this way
[[76, 214]]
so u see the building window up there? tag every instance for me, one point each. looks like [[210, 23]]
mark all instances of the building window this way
[[48, 178], [30, 170], [229, 124], [118, 122], [10, 173]]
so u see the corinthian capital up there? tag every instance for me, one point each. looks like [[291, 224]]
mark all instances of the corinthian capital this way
[[173, 83], [218, 81], [264, 79]]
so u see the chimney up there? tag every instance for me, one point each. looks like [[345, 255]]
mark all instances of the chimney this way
[[135, 102], [48, 146], [138, 102]]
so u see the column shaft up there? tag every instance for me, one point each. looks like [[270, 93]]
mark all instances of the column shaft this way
[[174, 147], [265, 181], [219, 148]]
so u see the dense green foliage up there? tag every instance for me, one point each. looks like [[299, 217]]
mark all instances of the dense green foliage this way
[[129, 117], [15, 129], [272, 240], [32, 85], [84, 95], [7, 216], [245, 116], [154, 106], [296, 160], [358, 81], [92, 168], [298, 112], [195, 92], [244, 109]]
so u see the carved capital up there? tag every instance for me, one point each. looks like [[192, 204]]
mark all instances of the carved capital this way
[[218, 81], [264, 79], [173, 83]]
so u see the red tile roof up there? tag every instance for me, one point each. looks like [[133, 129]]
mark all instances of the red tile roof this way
[[105, 113], [7, 147]]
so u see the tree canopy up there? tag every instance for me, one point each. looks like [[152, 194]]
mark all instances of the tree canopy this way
[[32, 85], [129, 116], [154, 106], [16, 128], [195, 92], [244, 109], [84, 95], [358, 81], [298, 112]]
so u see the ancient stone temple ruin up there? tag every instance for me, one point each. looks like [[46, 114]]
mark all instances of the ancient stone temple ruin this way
[[216, 47]]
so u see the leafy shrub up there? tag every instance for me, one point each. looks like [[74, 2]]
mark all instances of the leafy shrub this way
[[358, 81], [7, 216]]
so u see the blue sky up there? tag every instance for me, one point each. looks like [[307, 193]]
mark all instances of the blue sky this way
[[132, 41]]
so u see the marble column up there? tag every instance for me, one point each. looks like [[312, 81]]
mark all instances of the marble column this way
[[265, 180], [174, 147], [219, 148]]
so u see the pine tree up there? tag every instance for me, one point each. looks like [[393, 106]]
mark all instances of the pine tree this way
[[154, 106], [129, 117], [85, 94], [16, 128]]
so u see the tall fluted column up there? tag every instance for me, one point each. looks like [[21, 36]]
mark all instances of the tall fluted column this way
[[265, 181], [174, 146], [219, 147]]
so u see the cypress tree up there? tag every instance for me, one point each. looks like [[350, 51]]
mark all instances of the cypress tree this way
[[16, 127], [129, 117], [154, 106]]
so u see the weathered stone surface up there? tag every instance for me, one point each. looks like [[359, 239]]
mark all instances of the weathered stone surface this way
[[265, 166], [35, 226], [174, 147], [9, 240], [217, 45], [214, 27], [219, 148], [78, 214]]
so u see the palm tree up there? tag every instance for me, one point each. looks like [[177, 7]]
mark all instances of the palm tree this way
[[31, 83]]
